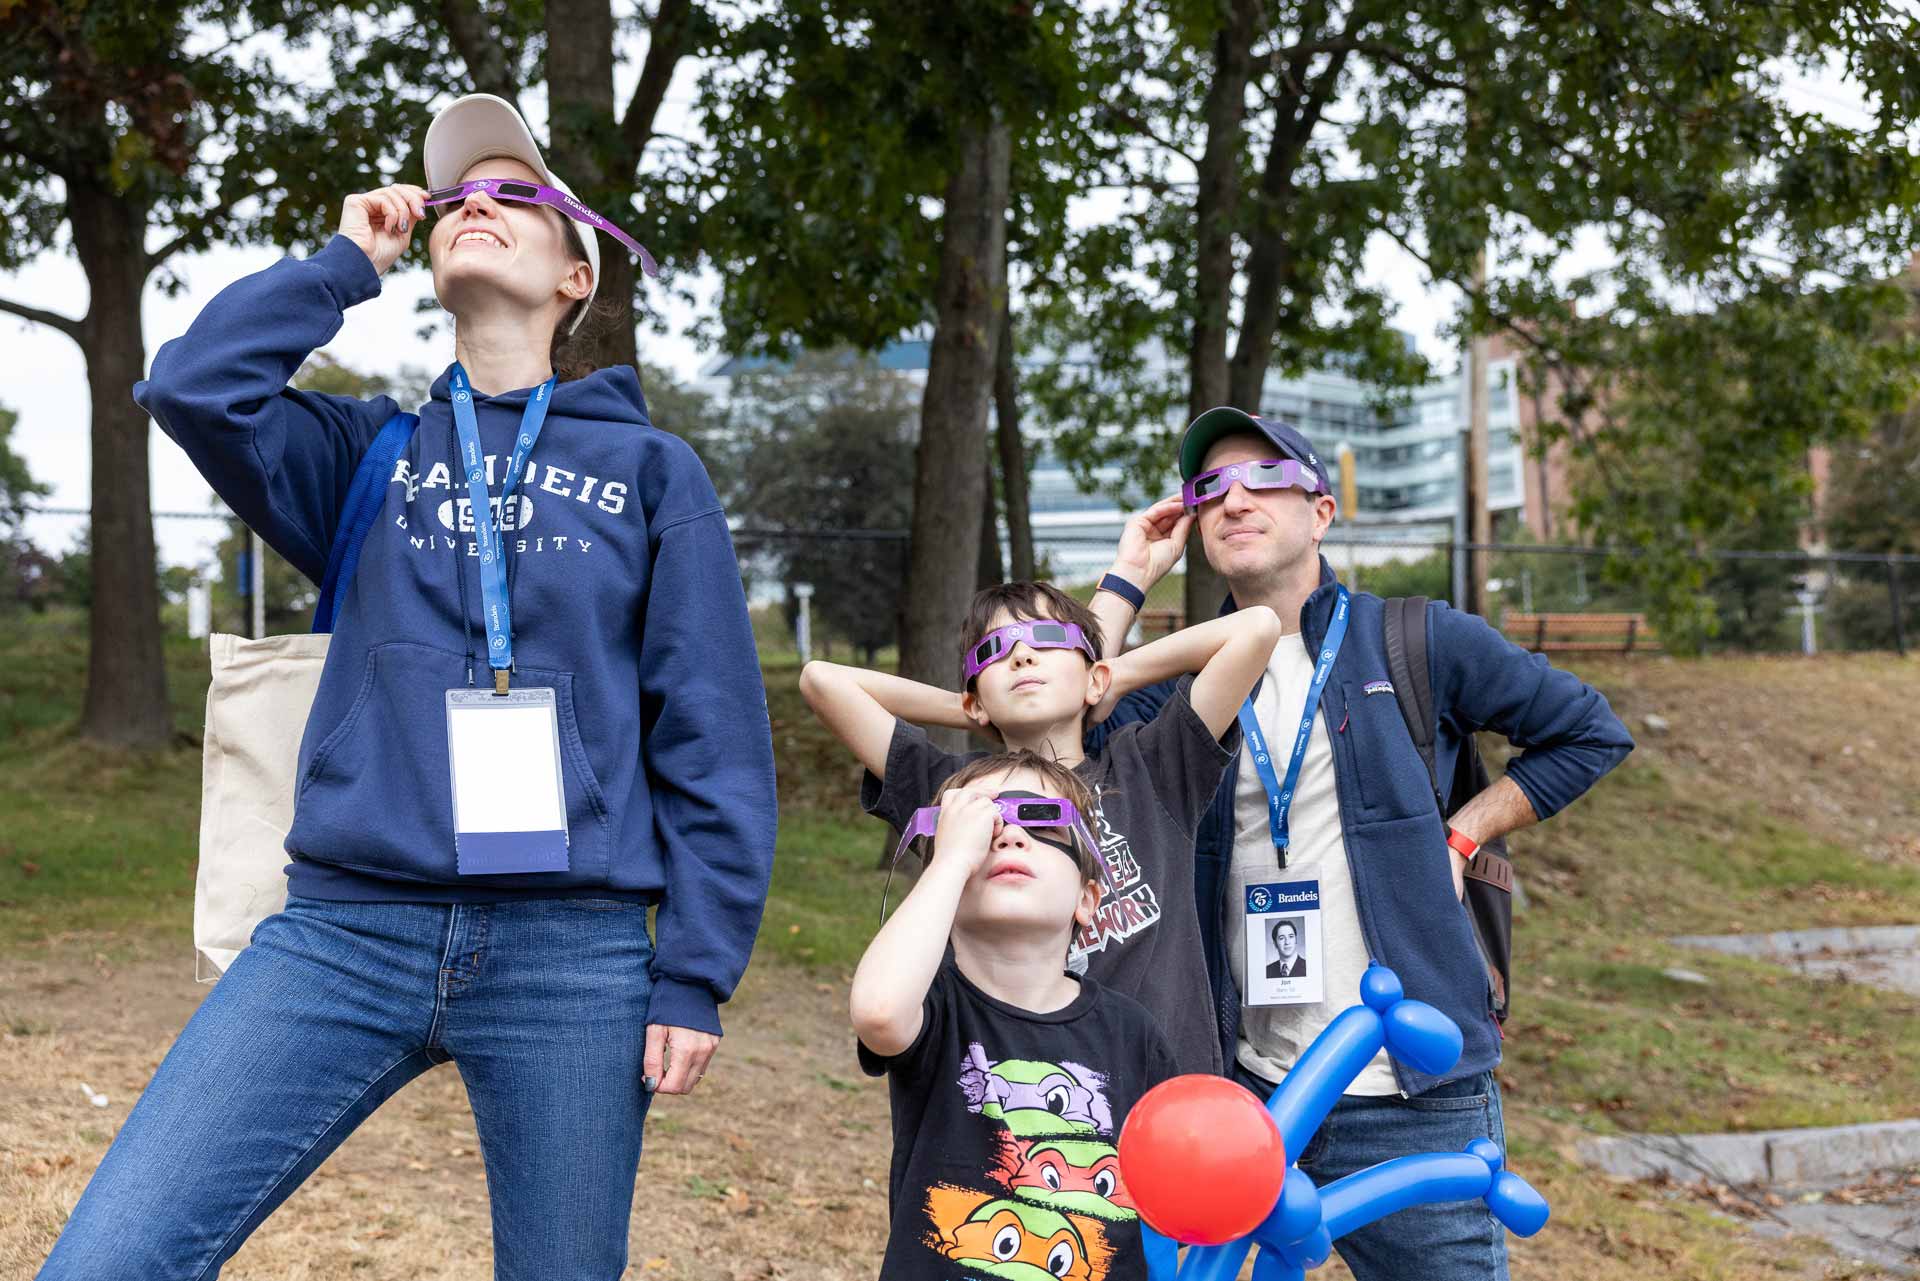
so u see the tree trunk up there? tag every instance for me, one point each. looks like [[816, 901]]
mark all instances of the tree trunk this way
[[1216, 205], [953, 415], [1013, 453], [585, 139], [990, 571], [1272, 265], [126, 699]]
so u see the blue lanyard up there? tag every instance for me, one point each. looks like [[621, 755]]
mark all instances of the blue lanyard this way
[[1280, 794], [495, 605]]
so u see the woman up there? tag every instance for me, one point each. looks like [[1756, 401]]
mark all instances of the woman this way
[[426, 924]]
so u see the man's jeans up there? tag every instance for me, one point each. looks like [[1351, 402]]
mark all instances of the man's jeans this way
[[1455, 1241], [542, 1005]]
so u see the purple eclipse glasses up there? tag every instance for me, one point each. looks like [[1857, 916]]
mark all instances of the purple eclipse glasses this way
[[1274, 473], [535, 194], [1040, 633], [1017, 809]]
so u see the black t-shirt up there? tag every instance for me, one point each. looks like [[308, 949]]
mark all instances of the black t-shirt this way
[[1004, 1123], [1153, 781]]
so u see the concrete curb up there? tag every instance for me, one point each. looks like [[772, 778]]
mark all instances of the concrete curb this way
[[1793, 944], [1819, 1155]]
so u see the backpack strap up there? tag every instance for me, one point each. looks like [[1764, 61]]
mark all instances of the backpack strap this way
[[1406, 640], [365, 497]]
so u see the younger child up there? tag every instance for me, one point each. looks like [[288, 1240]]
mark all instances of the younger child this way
[[1032, 675], [1009, 1077]]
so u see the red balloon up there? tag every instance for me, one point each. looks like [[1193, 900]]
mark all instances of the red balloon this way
[[1202, 1159]]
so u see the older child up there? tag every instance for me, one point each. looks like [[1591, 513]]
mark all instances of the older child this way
[[1032, 676], [1009, 1077]]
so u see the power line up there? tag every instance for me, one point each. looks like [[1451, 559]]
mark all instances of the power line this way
[[87, 513]]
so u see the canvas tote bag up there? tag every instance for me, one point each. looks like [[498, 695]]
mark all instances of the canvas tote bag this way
[[257, 709]]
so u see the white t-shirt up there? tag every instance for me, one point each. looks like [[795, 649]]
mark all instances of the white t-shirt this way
[[1272, 1037]]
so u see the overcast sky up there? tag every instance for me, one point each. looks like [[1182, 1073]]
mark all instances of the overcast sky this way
[[43, 376]]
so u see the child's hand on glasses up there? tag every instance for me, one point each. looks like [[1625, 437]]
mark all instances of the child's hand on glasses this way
[[969, 822], [381, 221]]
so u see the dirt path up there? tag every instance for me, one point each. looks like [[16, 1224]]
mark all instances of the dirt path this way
[[777, 1168]]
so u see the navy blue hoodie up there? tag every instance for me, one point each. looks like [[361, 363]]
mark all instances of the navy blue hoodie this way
[[627, 601]]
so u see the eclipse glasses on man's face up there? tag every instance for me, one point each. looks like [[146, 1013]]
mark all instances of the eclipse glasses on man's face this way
[[1272, 473], [533, 193]]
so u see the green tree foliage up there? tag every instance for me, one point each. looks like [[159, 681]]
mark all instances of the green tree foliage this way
[[1692, 433], [826, 445], [130, 133], [18, 488], [1267, 146], [866, 171], [290, 597], [28, 576], [393, 63]]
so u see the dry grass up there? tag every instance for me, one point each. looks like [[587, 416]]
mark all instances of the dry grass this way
[[776, 1169]]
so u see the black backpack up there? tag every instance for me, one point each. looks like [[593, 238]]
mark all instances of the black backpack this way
[[1489, 876]]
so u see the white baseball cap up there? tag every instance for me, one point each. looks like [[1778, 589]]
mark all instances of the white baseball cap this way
[[482, 127]]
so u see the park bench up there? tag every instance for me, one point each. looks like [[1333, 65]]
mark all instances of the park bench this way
[[1155, 623], [1581, 633]]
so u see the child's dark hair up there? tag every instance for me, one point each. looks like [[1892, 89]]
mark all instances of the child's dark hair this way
[[1059, 780], [1025, 602]]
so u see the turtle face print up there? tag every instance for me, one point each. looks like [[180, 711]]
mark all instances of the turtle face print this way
[[1034, 1098], [1021, 1243], [1072, 1175]]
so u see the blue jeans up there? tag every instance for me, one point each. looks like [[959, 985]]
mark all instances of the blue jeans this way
[[1455, 1241], [541, 1004]]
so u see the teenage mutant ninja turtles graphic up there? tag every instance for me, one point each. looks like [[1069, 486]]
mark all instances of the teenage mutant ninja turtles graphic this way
[[1032, 1097], [1052, 1203], [1020, 1242], [1077, 1175]]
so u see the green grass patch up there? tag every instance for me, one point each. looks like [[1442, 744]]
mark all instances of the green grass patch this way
[[825, 904], [100, 841], [1666, 847], [91, 839]]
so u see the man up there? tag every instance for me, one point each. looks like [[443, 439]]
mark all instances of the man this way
[[1289, 964], [1330, 811]]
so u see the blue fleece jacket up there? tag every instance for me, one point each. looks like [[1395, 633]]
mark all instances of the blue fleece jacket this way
[[1395, 837], [627, 601]]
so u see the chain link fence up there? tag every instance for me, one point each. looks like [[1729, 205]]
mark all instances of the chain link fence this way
[[1559, 598]]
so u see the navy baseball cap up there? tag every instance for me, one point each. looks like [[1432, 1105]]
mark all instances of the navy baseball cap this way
[[1225, 421]]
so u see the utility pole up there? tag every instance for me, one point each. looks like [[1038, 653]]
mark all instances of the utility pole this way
[[803, 625], [1479, 516], [1349, 508], [257, 582]]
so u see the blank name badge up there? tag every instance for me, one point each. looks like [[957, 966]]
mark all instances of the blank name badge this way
[[509, 805]]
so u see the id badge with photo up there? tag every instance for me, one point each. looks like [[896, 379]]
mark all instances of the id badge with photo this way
[[509, 806], [1285, 954]]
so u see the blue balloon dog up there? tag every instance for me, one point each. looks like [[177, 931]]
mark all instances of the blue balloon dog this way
[[1300, 1231]]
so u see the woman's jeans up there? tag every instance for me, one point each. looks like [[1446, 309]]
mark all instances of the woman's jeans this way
[[541, 1004]]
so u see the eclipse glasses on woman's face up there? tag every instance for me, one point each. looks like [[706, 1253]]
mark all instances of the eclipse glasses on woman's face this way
[[533, 193], [1039, 633], [1272, 473]]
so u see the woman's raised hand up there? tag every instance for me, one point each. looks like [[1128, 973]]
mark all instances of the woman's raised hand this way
[[381, 221]]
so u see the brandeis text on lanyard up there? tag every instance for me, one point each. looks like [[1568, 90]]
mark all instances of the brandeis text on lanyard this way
[[496, 605], [1280, 791]]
